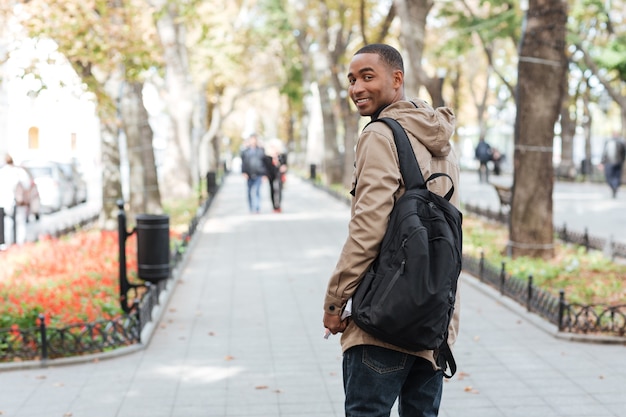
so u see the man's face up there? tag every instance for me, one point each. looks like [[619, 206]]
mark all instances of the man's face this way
[[372, 83]]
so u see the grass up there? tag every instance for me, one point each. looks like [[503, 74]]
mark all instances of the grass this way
[[586, 277]]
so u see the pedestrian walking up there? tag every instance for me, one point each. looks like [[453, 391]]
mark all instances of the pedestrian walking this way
[[276, 168], [613, 157], [253, 169], [376, 373], [14, 187], [484, 154]]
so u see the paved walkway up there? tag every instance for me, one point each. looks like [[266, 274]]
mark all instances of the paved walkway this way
[[579, 206], [241, 335]]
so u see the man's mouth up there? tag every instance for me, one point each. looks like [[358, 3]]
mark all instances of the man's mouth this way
[[361, 101]]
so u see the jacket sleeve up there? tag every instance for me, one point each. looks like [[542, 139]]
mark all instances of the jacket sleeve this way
[[377, 183]]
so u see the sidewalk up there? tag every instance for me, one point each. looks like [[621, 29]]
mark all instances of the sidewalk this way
[[579, 206], [242, 336]]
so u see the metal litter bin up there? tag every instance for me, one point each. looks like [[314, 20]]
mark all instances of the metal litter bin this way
[[153, 247]]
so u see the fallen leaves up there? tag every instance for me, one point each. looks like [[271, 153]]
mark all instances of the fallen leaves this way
[[469, 389]]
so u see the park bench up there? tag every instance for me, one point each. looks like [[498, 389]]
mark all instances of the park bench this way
[[504, 195]]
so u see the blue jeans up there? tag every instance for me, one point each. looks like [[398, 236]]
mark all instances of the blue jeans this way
[[374, 377], [254, 193]]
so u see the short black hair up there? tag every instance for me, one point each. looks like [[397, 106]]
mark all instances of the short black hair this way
[[387, 53]]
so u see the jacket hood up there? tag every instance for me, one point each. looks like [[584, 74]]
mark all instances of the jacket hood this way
[[431, 127]]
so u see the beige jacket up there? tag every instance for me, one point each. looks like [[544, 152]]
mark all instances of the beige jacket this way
[[377, 184]]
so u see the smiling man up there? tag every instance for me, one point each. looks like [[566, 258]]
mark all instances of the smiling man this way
[[377, 373]]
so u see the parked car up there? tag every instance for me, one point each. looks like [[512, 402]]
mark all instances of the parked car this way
[[78, 182], [28, 196], [56, 191]]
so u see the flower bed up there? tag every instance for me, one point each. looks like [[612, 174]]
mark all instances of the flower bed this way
[[70, 280]]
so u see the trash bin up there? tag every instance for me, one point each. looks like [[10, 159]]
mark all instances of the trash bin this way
[[153, 247], [211, 182]]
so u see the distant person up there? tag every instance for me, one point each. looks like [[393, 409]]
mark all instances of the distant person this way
[[613, 157], [497, 157], [275, 168], [253, 169], [484, 154], [14, 184]]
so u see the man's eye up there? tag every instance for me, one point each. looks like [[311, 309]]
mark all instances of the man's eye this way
[[367, 77]]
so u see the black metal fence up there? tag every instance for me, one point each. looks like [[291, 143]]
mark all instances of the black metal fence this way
[[568, 317], [42, 342]]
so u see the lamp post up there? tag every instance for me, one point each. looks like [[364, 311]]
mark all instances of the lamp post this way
[[125, 286]]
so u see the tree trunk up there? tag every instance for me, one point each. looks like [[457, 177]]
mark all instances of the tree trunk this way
[[181, 164], [332, 157], [587, 165], [413, 16], [541, 83], [567, 168], [143, 187], [111, 175]]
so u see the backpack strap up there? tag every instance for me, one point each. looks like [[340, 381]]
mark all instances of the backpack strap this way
[[409, 167], [445, 359]]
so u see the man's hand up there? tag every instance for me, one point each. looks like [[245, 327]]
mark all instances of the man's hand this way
[[334, 323]]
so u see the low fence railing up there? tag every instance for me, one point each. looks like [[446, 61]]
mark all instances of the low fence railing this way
[[568, 317], [42, 342]]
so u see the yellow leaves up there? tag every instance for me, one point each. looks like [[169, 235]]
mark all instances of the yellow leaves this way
[[469, 389]]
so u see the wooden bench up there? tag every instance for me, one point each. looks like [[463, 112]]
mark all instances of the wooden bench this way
[[505, 193]]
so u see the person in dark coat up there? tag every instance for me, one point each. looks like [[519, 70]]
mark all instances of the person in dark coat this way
[[613, 157], [275, 167], [483, 153], [253, 169]]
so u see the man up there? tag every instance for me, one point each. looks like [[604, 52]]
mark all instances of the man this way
[[613, 157], [484, 154], [253, 169], [376, 373], [14, 186], [275, 168]]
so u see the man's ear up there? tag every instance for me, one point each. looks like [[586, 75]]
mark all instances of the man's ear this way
[[398, 79]]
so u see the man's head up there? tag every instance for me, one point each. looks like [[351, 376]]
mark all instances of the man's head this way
[[376, 76], [253, 140]]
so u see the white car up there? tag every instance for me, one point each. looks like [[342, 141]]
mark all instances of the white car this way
[[78, 182], [56, 191]]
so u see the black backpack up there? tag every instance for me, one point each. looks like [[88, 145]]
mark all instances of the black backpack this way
[[407, 296]]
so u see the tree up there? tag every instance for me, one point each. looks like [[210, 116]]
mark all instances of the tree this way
[[541, 83], [143, 182], [493, 27], [96, 40], [180, 95], [598, 34]]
